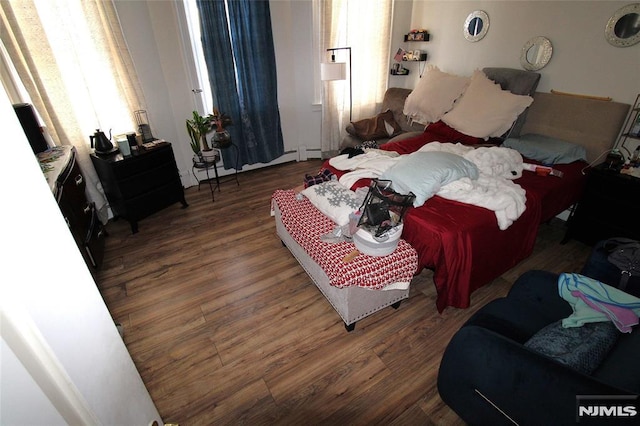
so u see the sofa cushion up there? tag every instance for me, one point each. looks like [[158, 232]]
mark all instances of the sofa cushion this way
[[582, 348], [382, 125], [394, 99], [434, 95], [621, 367]]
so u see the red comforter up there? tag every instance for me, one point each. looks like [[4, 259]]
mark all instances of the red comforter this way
[[462, 243]]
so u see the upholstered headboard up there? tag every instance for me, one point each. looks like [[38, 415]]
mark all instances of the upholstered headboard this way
[[594, 124]]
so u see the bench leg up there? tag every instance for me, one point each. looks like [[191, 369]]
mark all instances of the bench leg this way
[[397, 304], [350, 327]]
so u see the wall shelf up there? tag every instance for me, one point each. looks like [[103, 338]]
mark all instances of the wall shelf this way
[[423, 58], [419, 36]]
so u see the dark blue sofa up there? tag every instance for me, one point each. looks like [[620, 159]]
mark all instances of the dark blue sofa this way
[[488, 377]]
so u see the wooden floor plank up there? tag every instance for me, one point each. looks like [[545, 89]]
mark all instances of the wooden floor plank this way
[[226, 328]]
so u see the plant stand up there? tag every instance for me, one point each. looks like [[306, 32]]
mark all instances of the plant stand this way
[[228, 145], [206, 165]]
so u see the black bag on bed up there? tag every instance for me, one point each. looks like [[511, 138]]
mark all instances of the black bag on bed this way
[[383, 208]]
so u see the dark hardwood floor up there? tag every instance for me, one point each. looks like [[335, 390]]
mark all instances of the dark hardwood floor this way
[[226, 328]]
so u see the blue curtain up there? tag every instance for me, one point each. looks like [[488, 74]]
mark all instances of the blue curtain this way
[[250, 100]]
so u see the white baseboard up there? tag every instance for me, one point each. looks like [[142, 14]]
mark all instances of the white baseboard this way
[[189, 180]]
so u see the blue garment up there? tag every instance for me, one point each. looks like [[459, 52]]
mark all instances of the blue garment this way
[[607, 303], [240, 59]]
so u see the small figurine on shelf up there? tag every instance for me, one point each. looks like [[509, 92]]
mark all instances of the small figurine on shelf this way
[[417, 35]]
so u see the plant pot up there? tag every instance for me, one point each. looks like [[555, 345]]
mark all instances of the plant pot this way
[[221, 139], [210, 156]]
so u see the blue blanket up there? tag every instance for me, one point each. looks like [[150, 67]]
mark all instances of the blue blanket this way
[[593, 301]]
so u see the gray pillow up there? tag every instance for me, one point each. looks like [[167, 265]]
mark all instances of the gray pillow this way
[[546, 149], [582, 348]]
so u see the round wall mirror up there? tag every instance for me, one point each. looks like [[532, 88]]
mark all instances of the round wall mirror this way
[[536, 53], [476, 25], [623, 28]]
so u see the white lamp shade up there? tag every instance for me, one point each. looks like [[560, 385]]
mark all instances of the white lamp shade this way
[[333, 71]]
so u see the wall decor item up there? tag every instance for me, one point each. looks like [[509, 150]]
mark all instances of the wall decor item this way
[[536, 53], [476, 26], [623, 28], [417, 35]]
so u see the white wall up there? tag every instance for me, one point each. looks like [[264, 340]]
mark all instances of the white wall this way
[[48, 296], [583, 62]]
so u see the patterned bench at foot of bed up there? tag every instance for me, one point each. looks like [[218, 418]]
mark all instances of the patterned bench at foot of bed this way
[[355, 289]]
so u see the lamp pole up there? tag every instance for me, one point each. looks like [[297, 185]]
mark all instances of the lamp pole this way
[[333, 59]]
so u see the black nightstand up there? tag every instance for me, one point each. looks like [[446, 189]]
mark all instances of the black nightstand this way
[[608, 208], [142, 184]]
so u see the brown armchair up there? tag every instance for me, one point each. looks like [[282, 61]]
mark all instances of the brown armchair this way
[[393, 101]]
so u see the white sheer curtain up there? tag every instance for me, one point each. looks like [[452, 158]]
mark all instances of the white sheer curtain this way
[[71, 57], [365, 26]]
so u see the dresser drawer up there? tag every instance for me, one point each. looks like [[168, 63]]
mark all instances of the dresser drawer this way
[[134, 165], [148, 180], [156, 199], [93, 242], [72, 200]]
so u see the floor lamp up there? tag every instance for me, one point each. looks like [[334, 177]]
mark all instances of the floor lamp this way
[[337, 71]]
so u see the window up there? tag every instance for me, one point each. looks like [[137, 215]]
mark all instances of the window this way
[[71, 58], [365, 26], [201, 86]]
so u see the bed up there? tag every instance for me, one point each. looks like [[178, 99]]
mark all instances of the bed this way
[[462, 243]]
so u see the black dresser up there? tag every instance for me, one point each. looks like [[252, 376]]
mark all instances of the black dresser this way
[[68, 187], [608, 208], [141, 184]]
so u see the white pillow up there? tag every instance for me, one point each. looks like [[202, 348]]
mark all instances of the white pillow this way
[[334, 200], [485, 109], [434, 95]]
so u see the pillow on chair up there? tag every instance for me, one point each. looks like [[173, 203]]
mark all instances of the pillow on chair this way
[[582, 348], [382, 125]]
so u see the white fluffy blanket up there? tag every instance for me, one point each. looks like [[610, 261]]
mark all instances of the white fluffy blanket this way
[[493, 190]]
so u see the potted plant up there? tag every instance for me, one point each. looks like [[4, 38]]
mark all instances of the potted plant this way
[[221, 138], [199, 126]]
